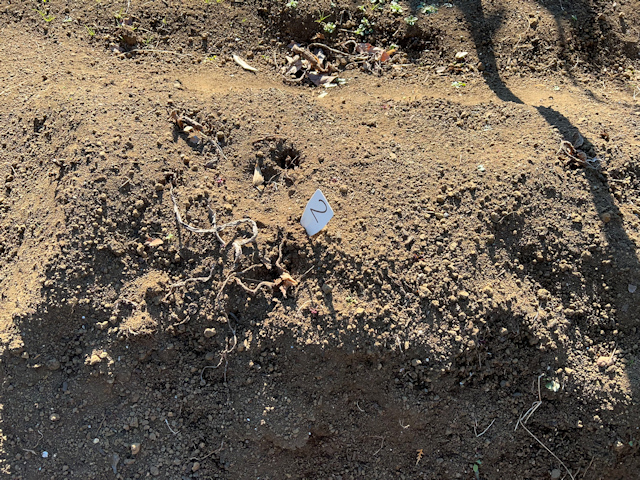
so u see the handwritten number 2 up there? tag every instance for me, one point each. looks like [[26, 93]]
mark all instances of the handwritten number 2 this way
[[313, 212]]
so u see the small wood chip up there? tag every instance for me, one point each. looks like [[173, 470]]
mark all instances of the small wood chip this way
[[244, 64]]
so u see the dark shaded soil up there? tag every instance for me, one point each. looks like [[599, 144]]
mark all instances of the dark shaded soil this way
[[471, 270]]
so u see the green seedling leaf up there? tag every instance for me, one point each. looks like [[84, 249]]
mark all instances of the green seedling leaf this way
[[553, 385]]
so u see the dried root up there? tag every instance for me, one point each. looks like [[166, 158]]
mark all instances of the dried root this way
[[237, 245]]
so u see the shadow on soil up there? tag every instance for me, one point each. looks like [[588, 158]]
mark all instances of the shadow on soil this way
[[617, 260]]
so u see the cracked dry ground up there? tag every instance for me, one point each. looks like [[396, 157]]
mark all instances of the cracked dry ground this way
[[468, 268]]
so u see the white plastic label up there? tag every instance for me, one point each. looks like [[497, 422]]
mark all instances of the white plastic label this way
[[317, 214]]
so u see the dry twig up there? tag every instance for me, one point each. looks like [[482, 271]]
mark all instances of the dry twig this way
[[381, 445], [527, 415], [144, 50], [484, 431], [169, 426]]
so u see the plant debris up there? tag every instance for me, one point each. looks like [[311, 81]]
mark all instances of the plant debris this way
[[244, 64], [312, 63], [576, 156]]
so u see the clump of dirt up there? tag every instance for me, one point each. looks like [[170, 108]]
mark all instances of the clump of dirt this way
[[469, 312]]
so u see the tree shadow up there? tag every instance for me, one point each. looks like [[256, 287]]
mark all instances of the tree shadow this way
[[616, 262]]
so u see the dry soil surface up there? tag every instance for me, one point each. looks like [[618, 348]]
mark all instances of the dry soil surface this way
[[470, 312]]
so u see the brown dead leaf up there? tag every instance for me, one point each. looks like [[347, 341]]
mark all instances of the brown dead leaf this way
[[154, 242], [285, 281]]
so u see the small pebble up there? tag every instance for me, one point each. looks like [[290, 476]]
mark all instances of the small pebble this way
[[53, 364], [154, 471], [135, 448], [209, 332], [555, 473], [54, 417]]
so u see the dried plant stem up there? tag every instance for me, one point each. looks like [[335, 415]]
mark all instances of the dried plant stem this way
[[527, 415], [237, 245]]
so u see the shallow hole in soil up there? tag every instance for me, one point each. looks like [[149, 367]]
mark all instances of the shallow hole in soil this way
[[286, 156]]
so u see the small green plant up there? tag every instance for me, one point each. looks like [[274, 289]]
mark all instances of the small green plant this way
[[411, 20], [396, 9], [212, 58], [428, 9], [90, 31], [292, 4], [147, 41], [169, 238], [351, 300], [553, 385], [119, 16], [365, 27], [362, 8], [476, 469], [45, 16], [458, 84], [322, 18], [329, 27]]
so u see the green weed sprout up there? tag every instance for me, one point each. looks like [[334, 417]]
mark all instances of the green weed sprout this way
[[411, 20], [292, 4], [322, 18], [365, 27], [45, 16], [429, 9], [458, 84], [476, 469], [329, 27], [553, 385], [90, 31], [395, 8]]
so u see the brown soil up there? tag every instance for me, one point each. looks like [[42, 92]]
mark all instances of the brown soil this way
[[471, 265]]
